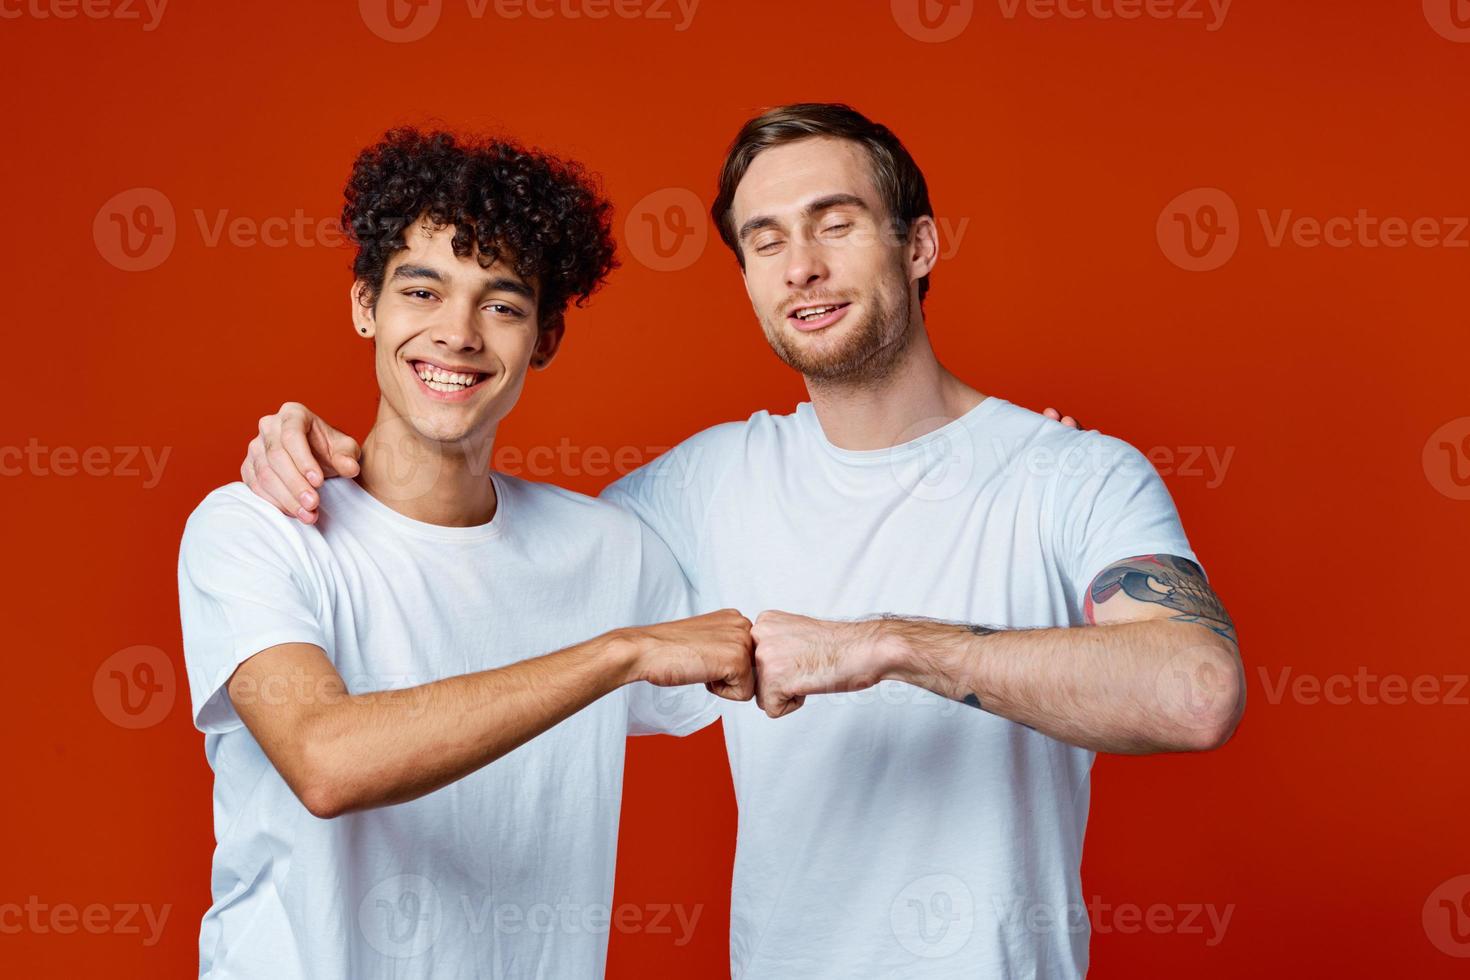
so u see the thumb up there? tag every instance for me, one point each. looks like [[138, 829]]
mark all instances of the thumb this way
[[338, 452]]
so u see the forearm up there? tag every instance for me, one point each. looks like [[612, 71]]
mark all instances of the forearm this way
[[388, 747], [1139, 687]]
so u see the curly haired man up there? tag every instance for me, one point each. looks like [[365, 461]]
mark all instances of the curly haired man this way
[[399, 645]]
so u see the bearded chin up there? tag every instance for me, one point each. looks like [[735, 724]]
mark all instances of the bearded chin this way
[[865, 356]]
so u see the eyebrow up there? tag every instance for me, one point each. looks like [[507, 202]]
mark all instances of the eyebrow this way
[[499, 284], [816, 207]]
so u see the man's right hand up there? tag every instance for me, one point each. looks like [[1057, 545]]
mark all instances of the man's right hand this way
[[293, 453], [715, 650]]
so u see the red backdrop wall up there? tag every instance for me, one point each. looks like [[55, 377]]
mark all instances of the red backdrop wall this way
[[1287, 339]]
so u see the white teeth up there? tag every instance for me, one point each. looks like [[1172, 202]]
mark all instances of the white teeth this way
[[814, 312], [441, 380]]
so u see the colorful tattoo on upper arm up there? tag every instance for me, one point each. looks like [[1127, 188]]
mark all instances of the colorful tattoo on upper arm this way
[[1173, 582]]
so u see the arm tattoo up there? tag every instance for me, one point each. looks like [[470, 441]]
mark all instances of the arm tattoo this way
[[1173, 582]]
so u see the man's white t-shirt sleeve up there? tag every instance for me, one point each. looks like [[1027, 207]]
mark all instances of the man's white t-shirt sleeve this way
[[672, 493], [664, 595], [1118, 508], [242, 589]]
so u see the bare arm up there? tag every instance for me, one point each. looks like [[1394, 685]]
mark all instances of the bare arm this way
[[1158, 669], [342, 752]]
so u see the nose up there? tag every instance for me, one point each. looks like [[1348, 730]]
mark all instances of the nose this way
[[457, 330], [806, 264]]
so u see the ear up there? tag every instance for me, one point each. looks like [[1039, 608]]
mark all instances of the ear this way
[[363, 320], [923, 247], [548, 342]]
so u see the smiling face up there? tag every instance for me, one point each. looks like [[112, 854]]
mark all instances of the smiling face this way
[[832, 284], [453, 340]]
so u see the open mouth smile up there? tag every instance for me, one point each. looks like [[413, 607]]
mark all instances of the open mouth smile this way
[[447, 382], [815, 316]]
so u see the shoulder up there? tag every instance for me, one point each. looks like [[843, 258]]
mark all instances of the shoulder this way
[[556, 509], [233, 510], [728, 441], [1031, 444], [233, 528], [707, 457]]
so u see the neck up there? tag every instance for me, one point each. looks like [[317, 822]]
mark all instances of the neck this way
[[434, 482], [915, 397]]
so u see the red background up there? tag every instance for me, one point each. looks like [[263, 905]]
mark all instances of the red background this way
[[1052, 143]]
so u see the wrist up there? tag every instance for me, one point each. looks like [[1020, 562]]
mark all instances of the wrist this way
[[893, 648], [626, 651], [927, 653]]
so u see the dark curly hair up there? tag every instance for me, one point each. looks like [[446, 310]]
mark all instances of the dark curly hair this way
[[543, 216]]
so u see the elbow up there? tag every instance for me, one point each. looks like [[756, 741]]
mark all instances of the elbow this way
[[320, 784], [321, 801], [1208, 699], [321, 793]]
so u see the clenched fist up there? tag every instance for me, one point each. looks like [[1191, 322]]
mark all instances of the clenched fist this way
[[797, 655], [713, 650]]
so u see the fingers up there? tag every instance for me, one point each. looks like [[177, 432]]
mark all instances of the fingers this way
[[1066, 420], [339, 453], [281, 471], [777, 705], [741, 679], [262, 482], [270, 487], [303, 460], [738, 685]]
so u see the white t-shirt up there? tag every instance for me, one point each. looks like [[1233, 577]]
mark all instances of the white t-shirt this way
[[505, 873], [893, 832]]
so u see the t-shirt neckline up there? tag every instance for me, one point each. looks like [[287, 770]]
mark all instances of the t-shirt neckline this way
[[356, 497], [807, 414]]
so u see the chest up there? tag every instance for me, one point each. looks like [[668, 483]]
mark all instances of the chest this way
[[398, 619], [973, 551]]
